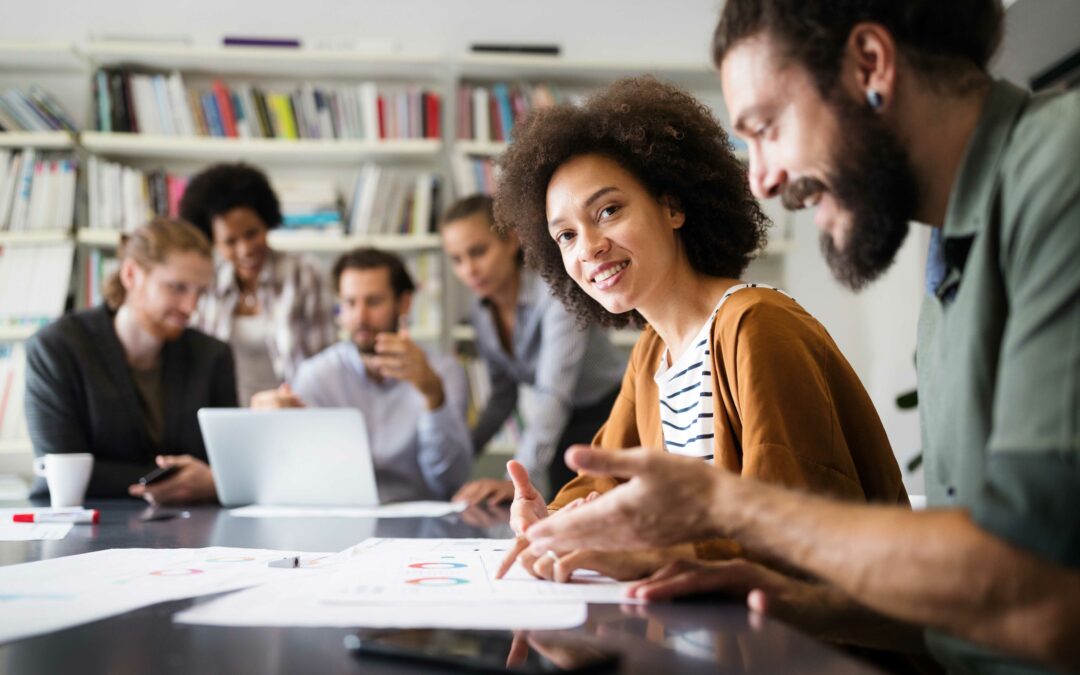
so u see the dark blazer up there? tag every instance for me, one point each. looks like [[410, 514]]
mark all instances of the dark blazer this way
[[81, 397]]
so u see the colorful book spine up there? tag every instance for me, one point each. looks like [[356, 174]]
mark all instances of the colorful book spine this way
[[213, 115], [225, 109]]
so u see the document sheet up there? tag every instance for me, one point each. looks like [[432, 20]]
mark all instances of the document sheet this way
[[48, 595], [416, 583]]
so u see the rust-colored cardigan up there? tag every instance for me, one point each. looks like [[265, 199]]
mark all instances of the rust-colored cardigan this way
[[788, 409]]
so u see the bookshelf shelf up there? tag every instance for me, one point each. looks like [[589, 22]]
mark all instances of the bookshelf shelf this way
[[285, 62], [206, 150], [425, 335], [34, 237], [16, 333], [624, 337], [480, 148], [40, 56], [98, 237], [486, 66], [298, 242], [314, 243], [41, 140], [462, 333], [19, 447]]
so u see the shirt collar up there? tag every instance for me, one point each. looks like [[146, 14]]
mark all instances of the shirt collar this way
[[528, 282], [976, 180], [527, 288]]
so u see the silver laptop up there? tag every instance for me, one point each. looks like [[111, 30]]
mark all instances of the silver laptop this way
[[295, 457]]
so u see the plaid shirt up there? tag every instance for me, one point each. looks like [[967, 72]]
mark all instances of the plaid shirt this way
[[294, 292]]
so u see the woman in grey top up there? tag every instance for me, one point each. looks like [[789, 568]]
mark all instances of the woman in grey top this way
[[526, 336], [273, 308]]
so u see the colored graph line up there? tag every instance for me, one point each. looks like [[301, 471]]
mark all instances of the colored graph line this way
[[437, 565], [176, 573], [438, 581]]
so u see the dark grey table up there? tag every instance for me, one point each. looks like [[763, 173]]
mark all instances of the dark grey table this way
[[705, 637]]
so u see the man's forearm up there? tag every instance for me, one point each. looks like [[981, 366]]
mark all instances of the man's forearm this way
[[935, 568]]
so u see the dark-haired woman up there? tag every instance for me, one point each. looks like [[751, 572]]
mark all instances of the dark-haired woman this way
[[525, 336], [273, 308], [634, 208]]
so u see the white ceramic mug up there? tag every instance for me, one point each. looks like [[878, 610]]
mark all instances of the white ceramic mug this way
[[67, 474]]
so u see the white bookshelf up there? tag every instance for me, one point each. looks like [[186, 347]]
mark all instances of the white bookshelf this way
[[329, 243], [39, 140], [425, 335], [625, 337], [298, 242], [495, 66], [258, 150], [33, 236], [99, 238], [25, 55], [16, 447], [481, 148], [462, 332], [286, 62], [16, 333]]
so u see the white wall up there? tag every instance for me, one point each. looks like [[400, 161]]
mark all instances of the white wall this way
[[676, 30]]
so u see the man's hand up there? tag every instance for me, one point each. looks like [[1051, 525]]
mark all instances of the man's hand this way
[[666, 500], [483, 517], [620, 565], [397, 356], [489, 491], [192, 482], [271, 399], [815, 608]]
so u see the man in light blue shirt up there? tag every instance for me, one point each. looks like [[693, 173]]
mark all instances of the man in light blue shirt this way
[[413, 402]]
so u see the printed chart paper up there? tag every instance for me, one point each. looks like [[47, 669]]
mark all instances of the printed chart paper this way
[[300, 604], [415, 583], [454, 571], [400, 510], [48, 595]]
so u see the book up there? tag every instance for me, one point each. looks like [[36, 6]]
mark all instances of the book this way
[[103, 104], [213, 116], [179, 108], [501, 95], [481, 115], [224, 109]]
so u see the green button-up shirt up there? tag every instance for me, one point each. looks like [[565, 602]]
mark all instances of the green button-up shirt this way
[[999, 339]]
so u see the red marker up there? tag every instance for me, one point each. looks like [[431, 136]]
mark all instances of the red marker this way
[[80, 516]]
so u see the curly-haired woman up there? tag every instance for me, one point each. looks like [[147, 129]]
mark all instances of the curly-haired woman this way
[[273, 308], [634, 210]]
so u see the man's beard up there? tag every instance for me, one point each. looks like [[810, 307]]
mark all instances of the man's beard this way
[[874, 182], [157, 327]]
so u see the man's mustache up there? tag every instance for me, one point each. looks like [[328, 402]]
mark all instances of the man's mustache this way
[[794, 195]]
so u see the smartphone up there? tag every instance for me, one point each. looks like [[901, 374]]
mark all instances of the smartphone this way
[[487, 651], [157, 474]]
